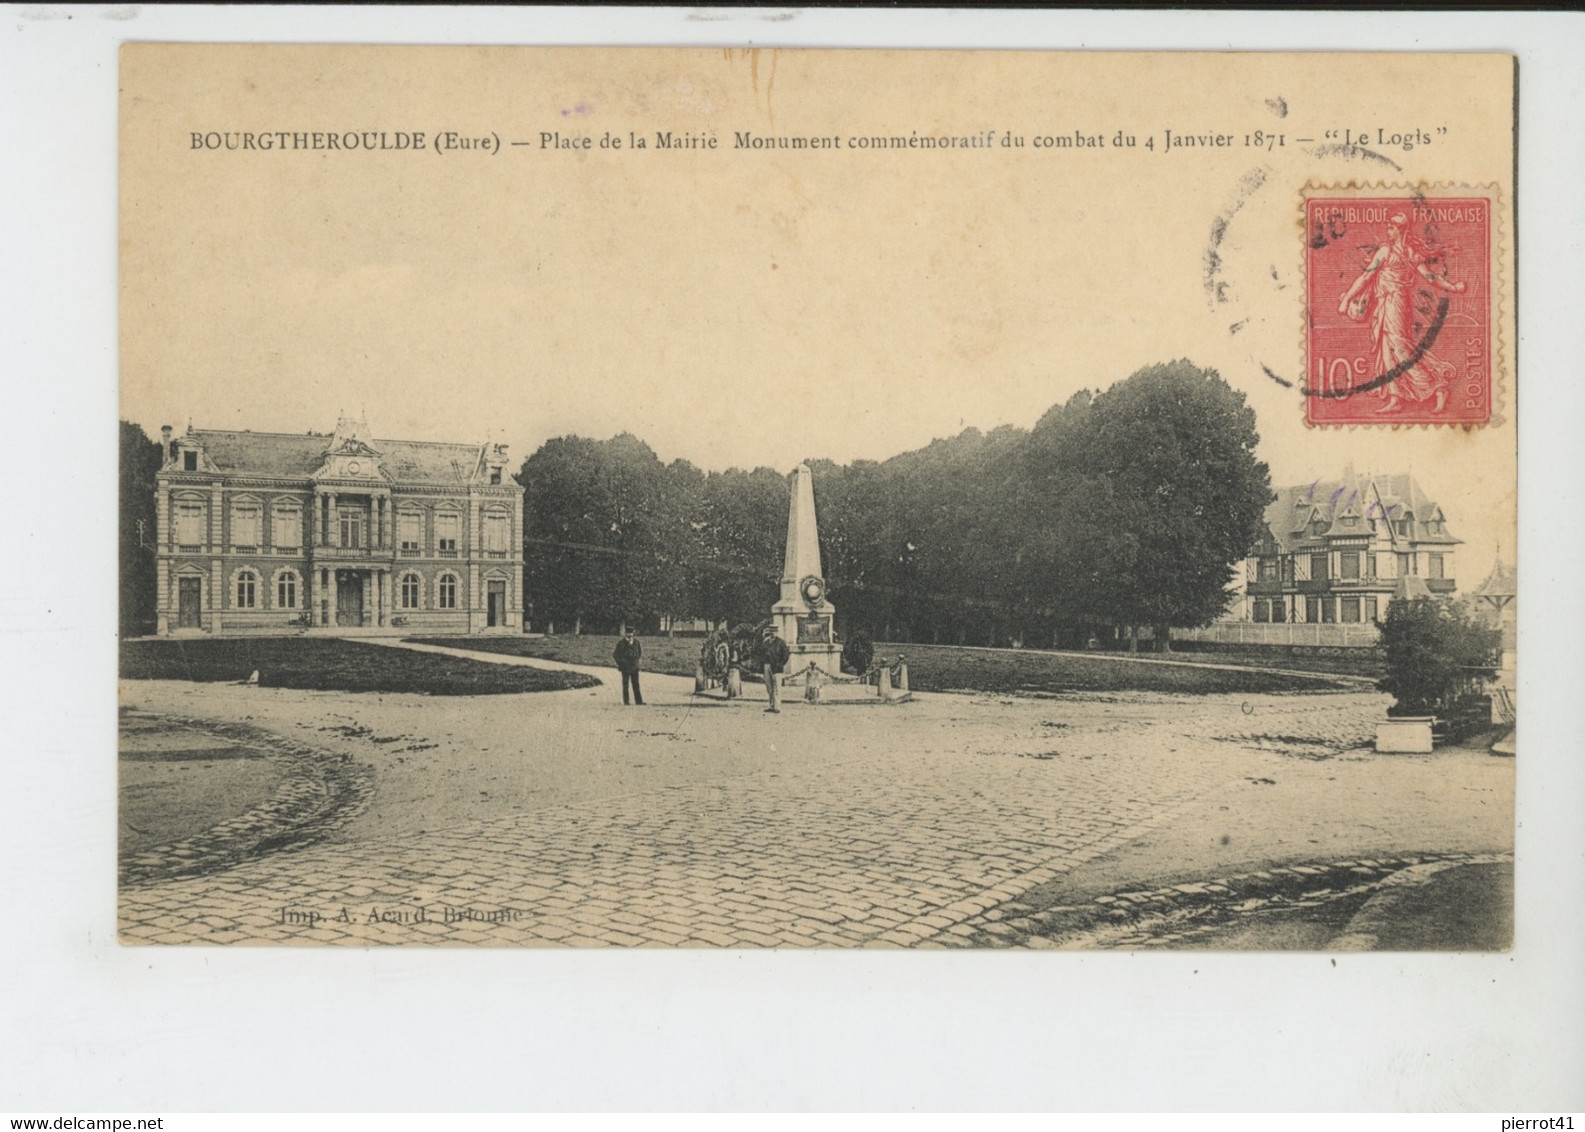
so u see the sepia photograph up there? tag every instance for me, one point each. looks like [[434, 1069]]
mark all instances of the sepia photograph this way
[[790, 560], [816, 499]]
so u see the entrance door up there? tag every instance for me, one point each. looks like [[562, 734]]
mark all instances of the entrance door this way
[[495, 597], [189, 595], [349, 598]]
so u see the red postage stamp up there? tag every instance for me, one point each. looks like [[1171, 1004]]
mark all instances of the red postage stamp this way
[[1399, 313]]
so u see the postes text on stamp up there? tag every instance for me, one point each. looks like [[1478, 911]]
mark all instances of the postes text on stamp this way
[[1399, 310]]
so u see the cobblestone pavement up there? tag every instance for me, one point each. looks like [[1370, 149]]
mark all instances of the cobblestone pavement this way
[[1180, 915], [829, 826], [318, 793]]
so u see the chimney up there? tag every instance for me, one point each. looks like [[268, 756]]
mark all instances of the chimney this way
[[166, 446]]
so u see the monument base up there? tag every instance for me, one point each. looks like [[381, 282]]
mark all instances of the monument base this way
[[809, 635], [827, 657]]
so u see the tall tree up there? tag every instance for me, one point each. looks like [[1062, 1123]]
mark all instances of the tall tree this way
[[1126, 508], [740, 522], [1174, 446], [138, 533], [568, 531]]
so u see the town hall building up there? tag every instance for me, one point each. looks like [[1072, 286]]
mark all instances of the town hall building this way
[[265, 532]]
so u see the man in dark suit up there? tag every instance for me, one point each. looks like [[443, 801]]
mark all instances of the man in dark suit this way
[[627, 654], [776, 654]]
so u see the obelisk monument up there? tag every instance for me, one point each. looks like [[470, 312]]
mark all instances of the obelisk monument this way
[[803, 615]]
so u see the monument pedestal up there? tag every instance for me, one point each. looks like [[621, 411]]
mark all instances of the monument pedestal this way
[[810, 635], [804, 618]]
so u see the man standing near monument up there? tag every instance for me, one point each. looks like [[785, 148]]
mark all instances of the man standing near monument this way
[[776, 654], [627, 654]]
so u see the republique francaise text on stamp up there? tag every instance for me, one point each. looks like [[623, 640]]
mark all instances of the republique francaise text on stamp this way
[[1399, 307]]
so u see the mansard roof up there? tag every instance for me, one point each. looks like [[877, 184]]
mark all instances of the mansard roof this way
[[1309, 513], [298, 456]]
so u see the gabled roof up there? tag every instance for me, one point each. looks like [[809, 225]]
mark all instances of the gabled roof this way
[[1303, 513], [294, 456]]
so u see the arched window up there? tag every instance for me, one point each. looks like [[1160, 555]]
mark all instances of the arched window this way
[[286, 590], [247, 589], [446, 591], [411, 588]]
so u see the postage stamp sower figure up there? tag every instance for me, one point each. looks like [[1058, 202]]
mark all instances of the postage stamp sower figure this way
[[1399, 312]]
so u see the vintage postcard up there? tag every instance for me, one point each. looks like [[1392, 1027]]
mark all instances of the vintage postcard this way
[[588, 497]]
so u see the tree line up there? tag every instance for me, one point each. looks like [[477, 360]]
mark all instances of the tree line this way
[[1120, 509]]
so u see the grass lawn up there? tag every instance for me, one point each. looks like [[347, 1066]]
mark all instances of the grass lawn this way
[[938, 668], [328, 664], [1352, 662]]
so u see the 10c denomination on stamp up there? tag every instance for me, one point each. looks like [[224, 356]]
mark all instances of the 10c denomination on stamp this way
[[1400, 314]]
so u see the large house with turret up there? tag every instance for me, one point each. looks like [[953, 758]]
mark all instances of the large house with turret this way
[[265, 532], [1338, 551]]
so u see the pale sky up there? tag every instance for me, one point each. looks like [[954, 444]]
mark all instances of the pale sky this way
[[745, 307]]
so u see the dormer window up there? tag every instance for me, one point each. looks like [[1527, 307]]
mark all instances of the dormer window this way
[[495, 477], [189, 461]]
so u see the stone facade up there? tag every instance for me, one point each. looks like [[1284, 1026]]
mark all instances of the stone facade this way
[[281, 532], [1337, 551]]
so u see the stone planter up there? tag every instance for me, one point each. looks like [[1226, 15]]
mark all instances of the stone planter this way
[[1405, 735]]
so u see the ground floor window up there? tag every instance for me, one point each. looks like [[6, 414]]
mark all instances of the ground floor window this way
[[410, 591], [1351, 609], [1262, 609], [1279, 610], [286, 590], [1328, 611], [247, 589], [446, 592], [1372, 611], [1312, 610]]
